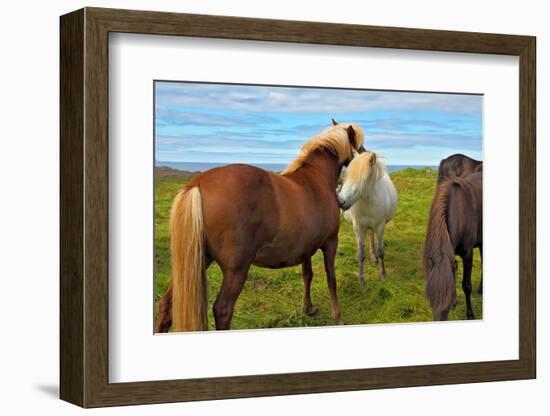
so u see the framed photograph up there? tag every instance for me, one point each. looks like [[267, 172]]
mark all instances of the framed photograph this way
[[254, 207]]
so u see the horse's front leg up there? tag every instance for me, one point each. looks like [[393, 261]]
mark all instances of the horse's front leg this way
[[372, 257], [164, 316], [329, 253], [467, 261], [380, 251], [307, 273]]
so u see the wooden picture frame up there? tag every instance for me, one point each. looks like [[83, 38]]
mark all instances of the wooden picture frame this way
[[84, 207]]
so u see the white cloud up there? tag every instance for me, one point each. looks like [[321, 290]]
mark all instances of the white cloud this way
[[287, 99]]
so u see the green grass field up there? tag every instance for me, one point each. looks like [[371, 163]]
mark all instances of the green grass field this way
[[273, 298]]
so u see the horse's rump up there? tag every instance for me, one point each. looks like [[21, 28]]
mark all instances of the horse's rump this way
[[240, 208], [464, 211], [457, 165]]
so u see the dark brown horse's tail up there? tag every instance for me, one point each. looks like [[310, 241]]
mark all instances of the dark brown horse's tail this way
[[439, 257], [189, 296]]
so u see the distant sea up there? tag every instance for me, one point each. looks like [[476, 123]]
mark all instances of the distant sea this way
[[274, 167]]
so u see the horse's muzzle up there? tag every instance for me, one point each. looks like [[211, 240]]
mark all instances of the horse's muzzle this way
[[342, 203]]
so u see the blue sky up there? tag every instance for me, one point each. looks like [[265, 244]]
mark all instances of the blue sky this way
[[222, 123]]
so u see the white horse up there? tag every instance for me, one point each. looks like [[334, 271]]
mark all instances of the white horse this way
[[371, 198]]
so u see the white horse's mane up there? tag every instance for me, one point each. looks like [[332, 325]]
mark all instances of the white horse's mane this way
[[366, 169]]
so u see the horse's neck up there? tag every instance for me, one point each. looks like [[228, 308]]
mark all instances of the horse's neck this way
[[323, 164]]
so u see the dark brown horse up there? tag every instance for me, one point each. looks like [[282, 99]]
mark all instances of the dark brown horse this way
[[457, 165], [239, 215], [454, 228]]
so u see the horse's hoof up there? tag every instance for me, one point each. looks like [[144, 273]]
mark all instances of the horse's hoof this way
[[362, 282], [382, 276], [339, 321], [373, 259], [470, 316], [310, 311], [163, 327]]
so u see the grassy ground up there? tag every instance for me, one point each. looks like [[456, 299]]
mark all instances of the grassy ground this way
[[273, 298]]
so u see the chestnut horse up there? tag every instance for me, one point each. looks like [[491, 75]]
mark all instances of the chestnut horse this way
[[239, 215], [455, 228]]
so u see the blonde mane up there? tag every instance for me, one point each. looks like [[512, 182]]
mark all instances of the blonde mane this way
[[335, 139], [363, 168]]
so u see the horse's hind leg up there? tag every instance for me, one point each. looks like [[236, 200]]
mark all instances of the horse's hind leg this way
[[467, 283], [232, 285], [480, 288], [360, 238], [307, 273], [372, 257], [164, 316], [329, 253], [380, 251]]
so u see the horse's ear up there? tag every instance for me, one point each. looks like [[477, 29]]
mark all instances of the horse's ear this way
[[373, 159], [334, 122], [351, 136]]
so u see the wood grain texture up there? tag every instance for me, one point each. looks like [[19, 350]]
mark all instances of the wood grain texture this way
[[71, 213], [528, 207], [84, 206], [96, 208]]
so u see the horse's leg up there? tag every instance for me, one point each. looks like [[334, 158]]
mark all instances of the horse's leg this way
[[467, 283], [164, 316], [480, 288], [232, 285], [441, 315], [380, 251], [360, 238], [372, 256], [307, 273], [329, 253]]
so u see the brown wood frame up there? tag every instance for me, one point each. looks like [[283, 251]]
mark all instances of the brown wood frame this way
[[84, 207]]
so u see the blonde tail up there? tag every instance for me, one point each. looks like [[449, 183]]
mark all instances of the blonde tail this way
[[189, 296]]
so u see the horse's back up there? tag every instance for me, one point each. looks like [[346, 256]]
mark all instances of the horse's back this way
[[236, 189]]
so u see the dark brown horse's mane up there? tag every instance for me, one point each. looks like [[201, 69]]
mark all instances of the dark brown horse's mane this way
[[438, 258]]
